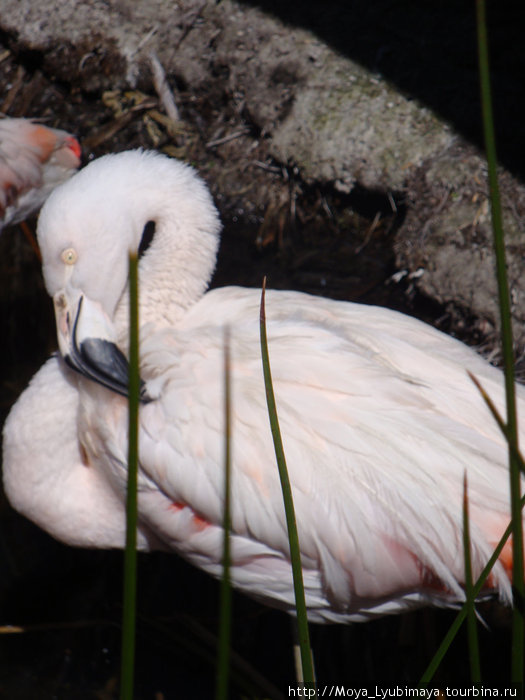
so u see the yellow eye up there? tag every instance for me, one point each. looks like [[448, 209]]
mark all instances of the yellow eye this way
[[69, 256]]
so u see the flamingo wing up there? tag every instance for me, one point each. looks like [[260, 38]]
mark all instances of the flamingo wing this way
[[376, 451]]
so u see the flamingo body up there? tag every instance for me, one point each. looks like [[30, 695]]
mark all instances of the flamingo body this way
[[34, 159], [379, 418]]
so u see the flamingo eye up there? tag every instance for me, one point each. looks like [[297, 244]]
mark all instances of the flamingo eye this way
[[69, 256]]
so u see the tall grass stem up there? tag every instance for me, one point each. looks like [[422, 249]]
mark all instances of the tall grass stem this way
[[518, 627], [295, 552], [130, 554], [470, 598], [224, 640]]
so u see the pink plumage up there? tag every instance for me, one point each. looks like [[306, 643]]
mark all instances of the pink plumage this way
[[379, 418], [34, 159]]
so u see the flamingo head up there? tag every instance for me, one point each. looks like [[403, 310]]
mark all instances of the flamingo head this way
[[86, 230]]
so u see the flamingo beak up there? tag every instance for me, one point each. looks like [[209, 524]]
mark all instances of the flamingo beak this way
[[87, 342]]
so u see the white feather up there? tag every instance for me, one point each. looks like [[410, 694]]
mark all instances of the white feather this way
[[379, 418]]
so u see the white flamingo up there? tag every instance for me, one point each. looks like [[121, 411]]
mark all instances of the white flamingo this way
[[34, 159], [379, 418]]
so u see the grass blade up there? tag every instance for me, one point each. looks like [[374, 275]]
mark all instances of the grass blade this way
[[501, 423], [130, 554], [518, 627], [460, 617], [223, 654], [470, 602], [295, 552]]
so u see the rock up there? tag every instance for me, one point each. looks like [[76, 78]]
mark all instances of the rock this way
[[310, 108], [320, 111], [447, 236]]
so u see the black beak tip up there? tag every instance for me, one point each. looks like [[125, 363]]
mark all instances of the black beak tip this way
[[103, 362]]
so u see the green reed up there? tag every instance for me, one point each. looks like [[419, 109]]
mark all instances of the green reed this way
[[470, 598], [518, 628], [130, 554], [295, 552], [225, 611]]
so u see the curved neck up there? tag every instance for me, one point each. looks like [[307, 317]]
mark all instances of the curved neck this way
[[176, 268]]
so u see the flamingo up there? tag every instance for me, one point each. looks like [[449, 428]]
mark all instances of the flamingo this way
[[379, 418], [34, 159]]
